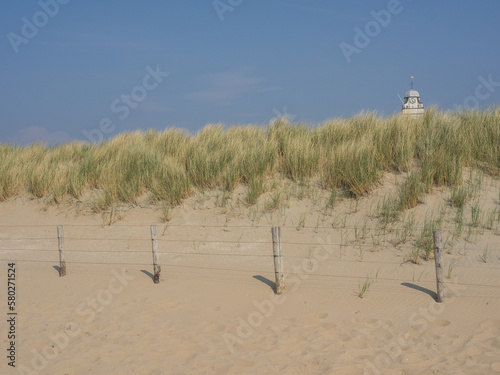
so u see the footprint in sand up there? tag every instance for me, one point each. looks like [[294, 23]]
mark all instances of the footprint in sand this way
[[343, 336], [475, 350], [328, 326], [382, 333], [282, 329], [495, 366], [451, 336], [412, 358], [495, 343], [357, 343], [292, 352], [312, 317], [212, 327], [440, 323], [173, 305], [372, 323], [415, 338], [492, 326], [367, 321]]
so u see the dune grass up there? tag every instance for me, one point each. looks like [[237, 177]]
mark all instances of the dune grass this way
[[350, 154]]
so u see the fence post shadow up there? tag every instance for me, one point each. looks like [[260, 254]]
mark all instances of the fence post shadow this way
[[421, 289], [266, 281], [148, 274]]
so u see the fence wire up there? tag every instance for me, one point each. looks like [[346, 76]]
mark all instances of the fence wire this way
[[352, 244]]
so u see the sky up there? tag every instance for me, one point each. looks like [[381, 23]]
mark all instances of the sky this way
[[89, 70]]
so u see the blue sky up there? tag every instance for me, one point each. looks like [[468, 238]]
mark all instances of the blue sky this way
[[83, 69]]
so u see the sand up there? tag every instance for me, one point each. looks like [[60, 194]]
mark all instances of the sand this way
[[215, 311]]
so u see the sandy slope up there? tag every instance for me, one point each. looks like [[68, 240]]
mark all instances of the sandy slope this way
[[217, 314]]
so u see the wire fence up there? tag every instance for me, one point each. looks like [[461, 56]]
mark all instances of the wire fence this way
[[98, 245]]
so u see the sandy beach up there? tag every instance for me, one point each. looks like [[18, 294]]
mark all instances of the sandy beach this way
[[215, 310]]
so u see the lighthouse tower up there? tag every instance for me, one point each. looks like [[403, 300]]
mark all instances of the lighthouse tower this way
[[412, 105]]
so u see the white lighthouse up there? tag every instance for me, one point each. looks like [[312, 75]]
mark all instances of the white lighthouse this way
[[412, 105]]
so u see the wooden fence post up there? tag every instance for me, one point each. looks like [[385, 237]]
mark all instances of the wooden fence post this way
[[60, 241], [278, 260], [438, 257], [156, 262]]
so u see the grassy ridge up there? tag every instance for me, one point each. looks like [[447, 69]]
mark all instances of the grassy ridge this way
[[349, 153]]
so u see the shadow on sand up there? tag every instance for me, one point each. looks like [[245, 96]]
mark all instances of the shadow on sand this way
[[421, 289], [266, 281]]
